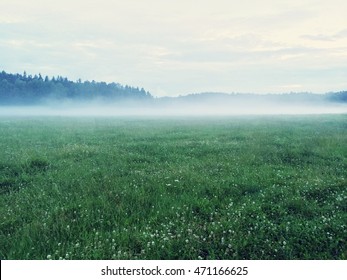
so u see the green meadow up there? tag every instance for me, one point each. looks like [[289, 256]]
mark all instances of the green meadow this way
[[269, 187]]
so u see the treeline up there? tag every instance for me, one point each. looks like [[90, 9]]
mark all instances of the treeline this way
[[28, 89], [338, 96], [232, 100], [23, 89], [300, 98]]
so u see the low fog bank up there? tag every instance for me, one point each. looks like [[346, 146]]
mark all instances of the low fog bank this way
[[175, 107]]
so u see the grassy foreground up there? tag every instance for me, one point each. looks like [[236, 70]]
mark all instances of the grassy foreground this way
[[122, 188]]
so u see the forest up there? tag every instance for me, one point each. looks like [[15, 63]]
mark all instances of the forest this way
[[23, 89]]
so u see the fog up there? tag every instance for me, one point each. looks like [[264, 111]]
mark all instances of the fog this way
[[174, 107]]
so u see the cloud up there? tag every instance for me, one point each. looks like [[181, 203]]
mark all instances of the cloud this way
[[326, 37], [179, 46], [341, 34], [7, 20], [319, 37]]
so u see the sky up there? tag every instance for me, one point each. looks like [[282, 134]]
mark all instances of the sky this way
[[179, 47]]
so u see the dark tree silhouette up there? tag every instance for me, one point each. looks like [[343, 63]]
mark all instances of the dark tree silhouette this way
[[28, 89]]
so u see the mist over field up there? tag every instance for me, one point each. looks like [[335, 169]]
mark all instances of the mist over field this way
[[173, 107]]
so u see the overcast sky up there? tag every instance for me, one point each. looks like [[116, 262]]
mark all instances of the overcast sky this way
[[182, 46]]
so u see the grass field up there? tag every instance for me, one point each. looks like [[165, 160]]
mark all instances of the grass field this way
[[173, 188]]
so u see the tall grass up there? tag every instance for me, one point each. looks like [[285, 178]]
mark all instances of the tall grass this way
[[217, 188]]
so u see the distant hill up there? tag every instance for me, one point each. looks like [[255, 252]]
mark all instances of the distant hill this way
[[23, 89], [246, 102], [285, 98]]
